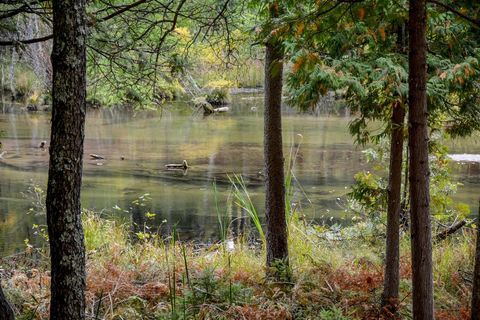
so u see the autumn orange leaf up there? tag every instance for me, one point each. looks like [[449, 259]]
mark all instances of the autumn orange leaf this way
[[298, 64], [312, 57], [382, 33], [300, 27], [361, 13]]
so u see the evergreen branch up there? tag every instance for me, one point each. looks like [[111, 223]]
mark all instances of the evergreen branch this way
[[476, 22]]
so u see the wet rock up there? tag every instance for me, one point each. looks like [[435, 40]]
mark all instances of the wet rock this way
[[202, 103], [32, 108], [46, 108], [93, 104]]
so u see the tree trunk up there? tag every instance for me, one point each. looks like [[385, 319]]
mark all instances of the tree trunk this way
[[66, 152], [421, 233], [6, 311], [392, 258], [476, 276], [276, 232]]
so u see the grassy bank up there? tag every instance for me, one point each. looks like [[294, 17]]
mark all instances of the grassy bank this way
[[337, 275]]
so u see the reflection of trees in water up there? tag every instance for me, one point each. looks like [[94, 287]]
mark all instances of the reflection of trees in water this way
[[471, 170], [139, 221], [138, 207], [240, 224], [190, 222], [15, 220], [327, 163]]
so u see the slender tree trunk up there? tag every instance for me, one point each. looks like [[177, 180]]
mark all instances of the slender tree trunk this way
[[6, 311], [421, 233], [276, 233], [392, 258], [404, 214], [476, 276], [66, 153], [13, 85]]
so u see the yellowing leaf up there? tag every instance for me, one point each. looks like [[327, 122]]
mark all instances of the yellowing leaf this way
[[312, 57], [298, 64], [323, 90], [300, 27]]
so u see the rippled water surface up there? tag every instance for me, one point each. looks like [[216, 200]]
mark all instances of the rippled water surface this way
[[215, 147]]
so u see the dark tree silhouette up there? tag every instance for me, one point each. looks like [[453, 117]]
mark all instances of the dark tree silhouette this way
[[392, 249], [276, 231], [476, 277], [392, 258], [66, 153], [6, 311], [421, 234]]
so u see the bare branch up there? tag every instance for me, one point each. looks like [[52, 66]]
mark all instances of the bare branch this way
[[29, 41]]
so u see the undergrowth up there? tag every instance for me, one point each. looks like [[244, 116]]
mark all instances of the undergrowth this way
[[337, 275]]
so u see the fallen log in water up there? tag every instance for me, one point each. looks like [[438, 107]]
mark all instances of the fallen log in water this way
[[183, 165], [221, 109], [96, 156]]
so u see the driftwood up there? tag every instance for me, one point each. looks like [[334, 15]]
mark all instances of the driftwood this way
[[221, 110], [6, 311], [173, 166], [451, 230], [96, 156]]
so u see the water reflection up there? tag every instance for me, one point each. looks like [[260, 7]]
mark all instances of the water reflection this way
[[136, 146]]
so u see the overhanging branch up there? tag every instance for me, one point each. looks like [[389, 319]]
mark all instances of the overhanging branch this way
[[29, 41], [476, 22], [48, 37]]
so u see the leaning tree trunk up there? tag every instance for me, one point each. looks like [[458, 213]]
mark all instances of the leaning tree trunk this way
[[392, 258], [66, 152], [6, 311], [421, 233], [476, 276], [276, 232]]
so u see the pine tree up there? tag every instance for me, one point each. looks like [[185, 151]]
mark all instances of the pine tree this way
[[276, 231], [421, 232], [66, 154]]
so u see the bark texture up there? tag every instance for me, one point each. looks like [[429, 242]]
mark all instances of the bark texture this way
[[6, 311], [276, 232], [476, 277], [421, 233], [392, 258], [66, 153]]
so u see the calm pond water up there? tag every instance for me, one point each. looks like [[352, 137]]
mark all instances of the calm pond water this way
[[215, 147]]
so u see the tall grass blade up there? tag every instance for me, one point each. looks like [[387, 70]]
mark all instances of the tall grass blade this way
[[243, 200]]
